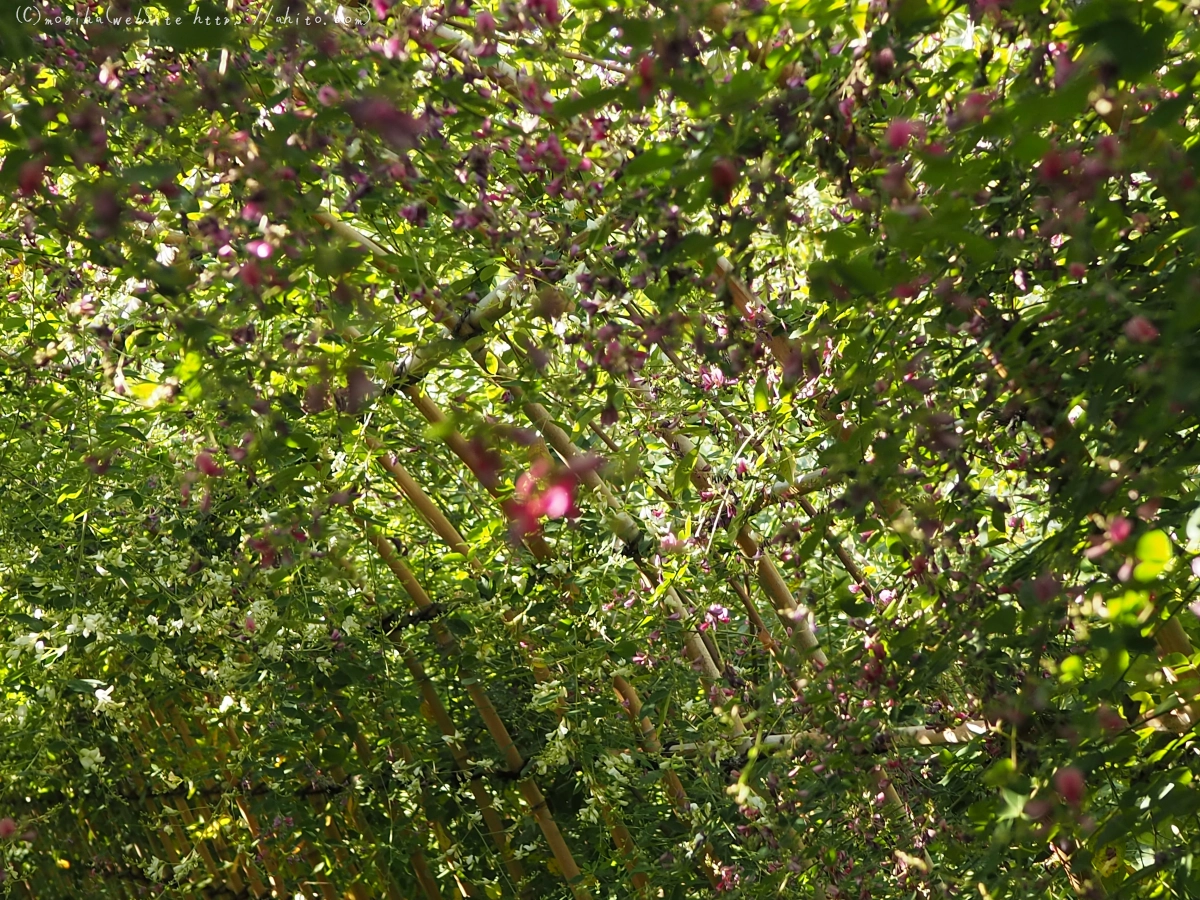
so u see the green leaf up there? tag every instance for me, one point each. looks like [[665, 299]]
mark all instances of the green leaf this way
[[1153, 551], [761, 396], [84, 685], [658, 157]]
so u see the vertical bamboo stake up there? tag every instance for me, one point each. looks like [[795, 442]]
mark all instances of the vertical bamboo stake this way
[[277, 884], [507, 746], [359, 823], [243, 805], [711, 866], [769, 578], [764, 635], [189, 743], [179, 843], [139, 784], [437, 710]]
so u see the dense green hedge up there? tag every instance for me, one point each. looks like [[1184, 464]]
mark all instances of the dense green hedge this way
[[764, 432]]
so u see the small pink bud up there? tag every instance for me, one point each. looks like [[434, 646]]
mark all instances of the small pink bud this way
[[884, 62], [250, 274]]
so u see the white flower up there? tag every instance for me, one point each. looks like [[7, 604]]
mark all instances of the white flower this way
[[23, 642], [91, 625], [156, 869], [104, 698], [90, 759], [186, 865]]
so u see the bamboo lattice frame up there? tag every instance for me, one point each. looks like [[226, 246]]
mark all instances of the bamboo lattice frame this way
[[196, 825]]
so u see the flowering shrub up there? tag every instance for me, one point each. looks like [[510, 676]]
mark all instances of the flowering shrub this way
[[542, 449]]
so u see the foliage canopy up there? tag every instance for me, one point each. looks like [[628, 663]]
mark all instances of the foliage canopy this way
[[619, 449]]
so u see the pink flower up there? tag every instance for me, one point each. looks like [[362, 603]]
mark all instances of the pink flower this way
[[975, 107], [400, 129], [261, 249], [669, 543], [716, 613], [327, 96], [206, 464], [529, 504], [1069, 784], [729, 878], [7, 828], [251, 625], [901, 131], [711, 378], [556, 501], [546, 10], [1077, 270], [1119, 529], [1141, 330]]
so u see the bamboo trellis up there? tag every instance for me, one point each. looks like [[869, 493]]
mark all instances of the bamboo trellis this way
[[192, 825]]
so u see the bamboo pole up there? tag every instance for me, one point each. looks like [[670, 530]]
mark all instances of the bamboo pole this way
[[1171, 639], [433, 702], [417, 858], [769, 579], [176, 846], [764, 635], [206, 814], [487, 711], [499, 733], [243, 805], [541, 551], [632, 705]]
